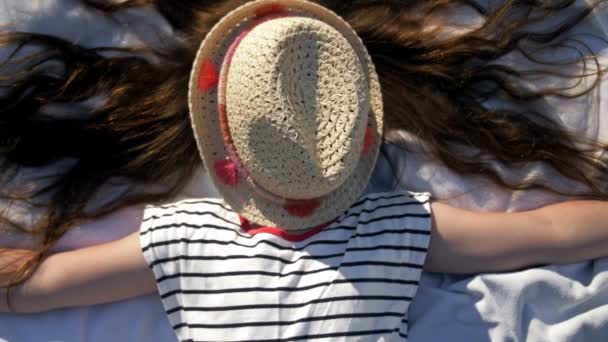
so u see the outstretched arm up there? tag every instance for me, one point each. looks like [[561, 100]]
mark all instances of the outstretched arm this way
[[94, 275], [461, 242], [470, 242]]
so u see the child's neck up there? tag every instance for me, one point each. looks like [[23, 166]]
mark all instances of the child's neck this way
[[287, 234], [246, 224]]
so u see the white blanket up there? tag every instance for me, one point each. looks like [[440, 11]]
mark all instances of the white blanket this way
[[553, 303]]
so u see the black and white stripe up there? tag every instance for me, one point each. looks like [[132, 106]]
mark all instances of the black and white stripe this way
[[353, 280]]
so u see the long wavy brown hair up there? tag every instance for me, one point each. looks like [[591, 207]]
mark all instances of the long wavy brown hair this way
[[435, 85]]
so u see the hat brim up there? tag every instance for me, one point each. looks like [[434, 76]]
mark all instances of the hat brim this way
[[204, 113]]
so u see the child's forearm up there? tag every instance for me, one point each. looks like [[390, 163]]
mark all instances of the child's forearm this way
[[10, 262], [580, 231], [18, 299], [88, 276], [470, 242]]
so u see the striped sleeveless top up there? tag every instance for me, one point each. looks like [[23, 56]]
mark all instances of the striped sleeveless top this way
[[352, 280]]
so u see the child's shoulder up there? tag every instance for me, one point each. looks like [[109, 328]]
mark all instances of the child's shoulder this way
[[191, 205], [188, 212], [378, 198], [388, 207]]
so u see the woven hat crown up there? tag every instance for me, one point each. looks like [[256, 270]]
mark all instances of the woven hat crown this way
[[286, 109], [297, 103]]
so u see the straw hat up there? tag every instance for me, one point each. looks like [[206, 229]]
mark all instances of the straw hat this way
[[287, 112]]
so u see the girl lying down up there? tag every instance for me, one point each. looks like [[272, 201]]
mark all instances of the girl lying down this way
[[286, 108]]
